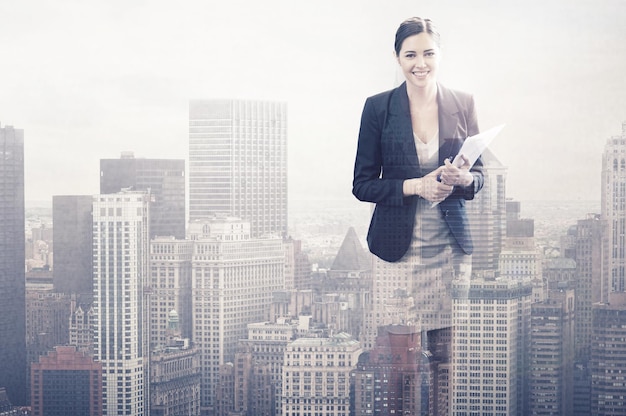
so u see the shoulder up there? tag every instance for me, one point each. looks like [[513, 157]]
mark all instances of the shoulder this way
[[449, 96], [384, 97]]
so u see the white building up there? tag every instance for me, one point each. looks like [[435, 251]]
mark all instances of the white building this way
[[170, 286], [316, 375], [238, 162], [491, 324], [120, 266], [614, 212], [233, 277]]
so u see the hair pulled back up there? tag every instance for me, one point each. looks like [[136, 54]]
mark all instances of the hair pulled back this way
[[415, 26]]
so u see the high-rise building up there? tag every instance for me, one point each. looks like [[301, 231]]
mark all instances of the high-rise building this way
[[551, 362], [170, 287], [487, 215], [614, 211], [608, 357], [592, 285], [12, 255], [164, 178], [489, 345], [238, 162], [316, 375], [120, 272], [72, 272], [66, 382], [233, 278]]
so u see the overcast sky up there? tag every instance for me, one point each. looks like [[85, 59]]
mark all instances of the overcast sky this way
[[87, 80]]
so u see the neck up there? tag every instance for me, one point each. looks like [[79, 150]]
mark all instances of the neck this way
[[422, 96]]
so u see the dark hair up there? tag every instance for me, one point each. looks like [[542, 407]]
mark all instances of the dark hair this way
[[415, 26]]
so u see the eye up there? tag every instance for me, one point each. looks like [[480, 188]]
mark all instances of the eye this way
[[410, 55], [429, 54]]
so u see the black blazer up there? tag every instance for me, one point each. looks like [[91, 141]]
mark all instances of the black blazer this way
[[386, 156]]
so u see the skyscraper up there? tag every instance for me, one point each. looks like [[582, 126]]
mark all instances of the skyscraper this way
[[233, 278], [71, 216], [12, 280], [614, 211], [120, 257], [238, 162], [165, 178], [608, 357], [491, 322]]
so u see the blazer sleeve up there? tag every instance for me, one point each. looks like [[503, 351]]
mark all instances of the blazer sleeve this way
[[369, 183]]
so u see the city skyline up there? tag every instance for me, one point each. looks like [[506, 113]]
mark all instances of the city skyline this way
[[121, 78]]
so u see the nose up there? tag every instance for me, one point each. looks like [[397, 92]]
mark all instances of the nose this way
[[419, 61]]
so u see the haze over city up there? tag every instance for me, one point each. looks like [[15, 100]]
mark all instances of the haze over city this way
[[88, 80]]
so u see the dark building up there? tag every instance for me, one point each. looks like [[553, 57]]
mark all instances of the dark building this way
[[608, 356], [12, 255], [72, 271], [66, 382], [165, 178], [551, 361]]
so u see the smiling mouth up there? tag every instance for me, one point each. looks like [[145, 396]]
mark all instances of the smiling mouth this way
[[420, 73]]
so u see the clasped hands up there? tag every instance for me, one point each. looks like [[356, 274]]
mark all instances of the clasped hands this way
[[439, 184]]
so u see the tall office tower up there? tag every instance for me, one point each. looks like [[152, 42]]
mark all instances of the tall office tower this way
[[238, 162], [487, 215], [12, 280], [233, 278], [551, 362], [614, 211], [72, 272], [164, 178], [489, 346], [608, 357], [316, 375], [120, 272], [592, 284], [66, 382], [170, 286]]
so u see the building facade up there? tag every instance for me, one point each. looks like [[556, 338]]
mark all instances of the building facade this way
[[170, 286], [613, 211], [238, 162], [164, 178], [316, 375], [73, 234], [12, 253], [66, 382], [120, 257], [233, 278], [489, 345], [608, 357], [551, 361]]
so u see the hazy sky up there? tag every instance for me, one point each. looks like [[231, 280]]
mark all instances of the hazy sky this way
[[89, 79]]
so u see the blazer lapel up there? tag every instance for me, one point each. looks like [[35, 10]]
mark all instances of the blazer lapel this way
[[400, 119], [449, 140]]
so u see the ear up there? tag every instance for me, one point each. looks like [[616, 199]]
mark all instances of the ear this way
[[397, 58]]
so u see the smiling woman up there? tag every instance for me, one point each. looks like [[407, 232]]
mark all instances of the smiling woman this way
[[406, 140]]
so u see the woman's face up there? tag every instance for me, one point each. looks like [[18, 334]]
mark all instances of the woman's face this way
[[419, 59]]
